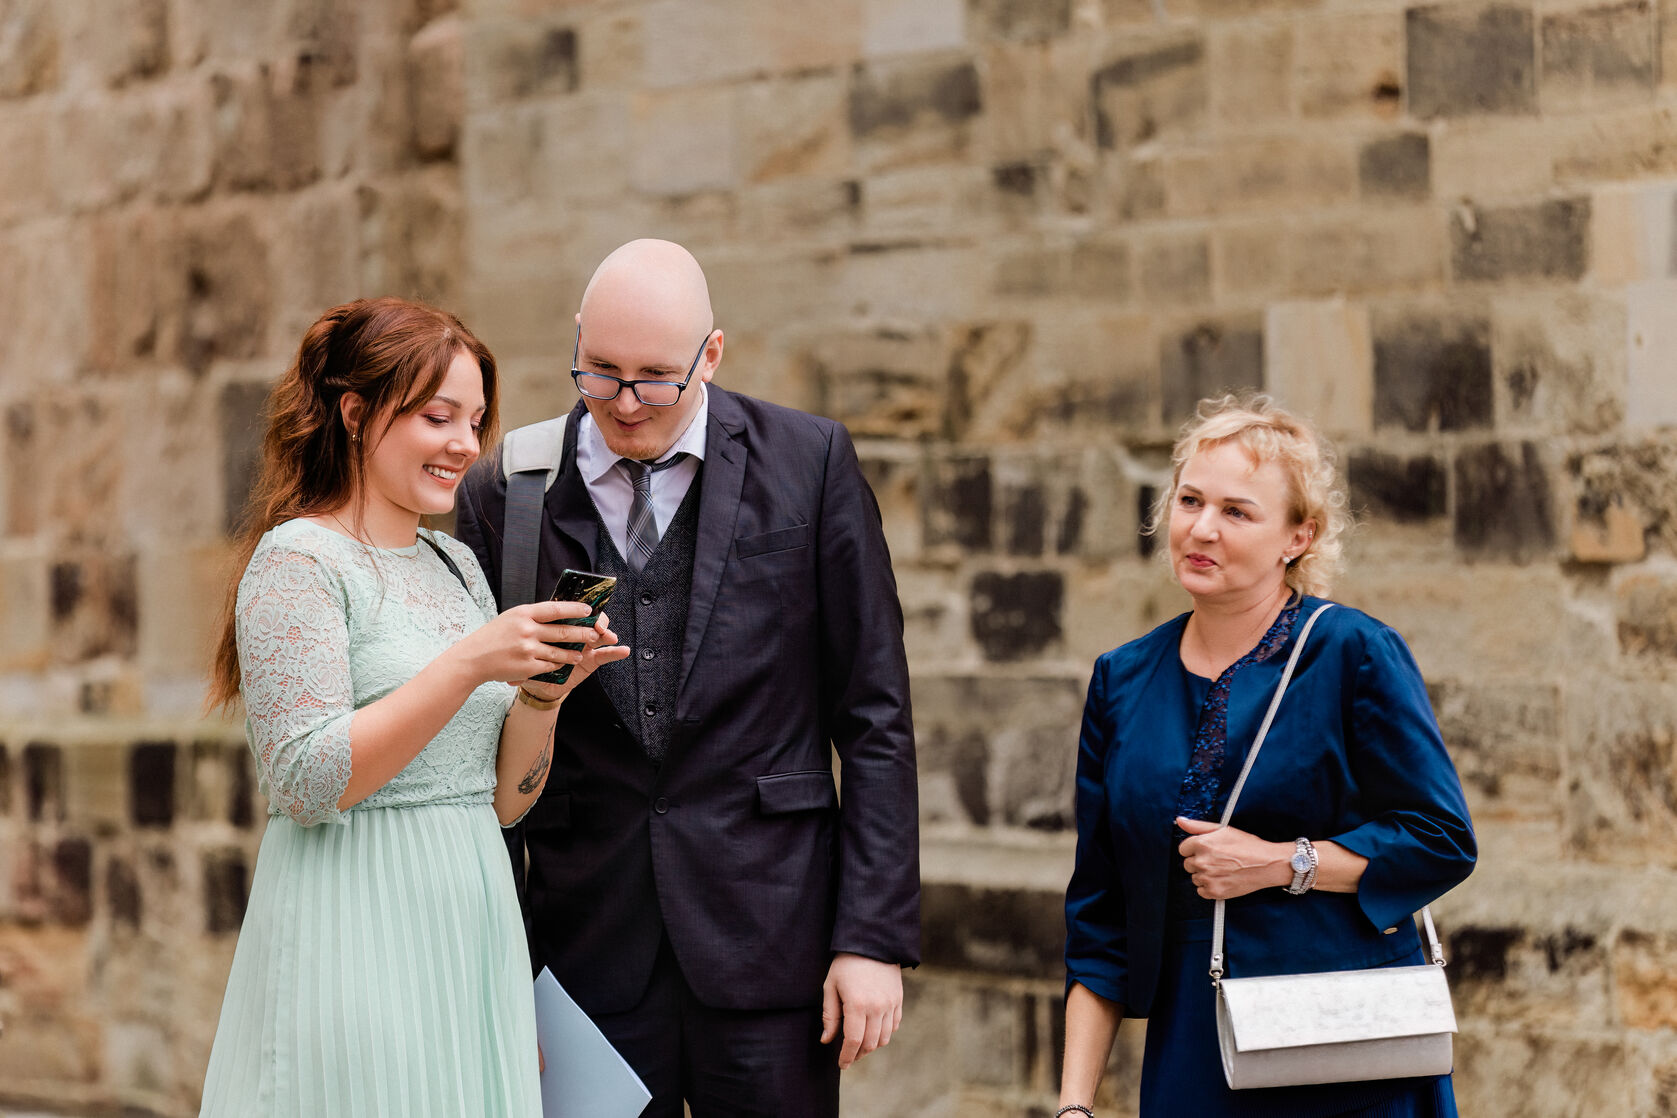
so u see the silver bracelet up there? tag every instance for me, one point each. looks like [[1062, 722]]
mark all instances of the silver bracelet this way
[[1076, 1106]]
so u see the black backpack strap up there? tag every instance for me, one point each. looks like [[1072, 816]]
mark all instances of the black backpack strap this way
[[521, 539], [530, 461]]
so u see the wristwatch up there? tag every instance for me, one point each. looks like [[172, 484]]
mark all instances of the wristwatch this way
[[1303, 862]]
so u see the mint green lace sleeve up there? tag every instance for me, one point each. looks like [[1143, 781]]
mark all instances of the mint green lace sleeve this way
[[294, 662]]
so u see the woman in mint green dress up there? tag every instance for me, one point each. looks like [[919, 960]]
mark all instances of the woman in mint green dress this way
[[382, 967]]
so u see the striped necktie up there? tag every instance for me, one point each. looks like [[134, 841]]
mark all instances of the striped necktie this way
[[642, 538]]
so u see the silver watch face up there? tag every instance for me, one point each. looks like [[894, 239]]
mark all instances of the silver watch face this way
[[1300, 862]]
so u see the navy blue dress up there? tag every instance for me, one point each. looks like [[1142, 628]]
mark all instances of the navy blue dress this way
[[1354, 757]]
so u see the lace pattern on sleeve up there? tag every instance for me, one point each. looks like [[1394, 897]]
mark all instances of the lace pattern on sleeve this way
[[294, 659]]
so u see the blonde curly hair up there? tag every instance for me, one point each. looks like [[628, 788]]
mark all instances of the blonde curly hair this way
[[1270, 433]]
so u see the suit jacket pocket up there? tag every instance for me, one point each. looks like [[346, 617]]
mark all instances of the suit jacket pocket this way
[[550, 813], [779, 793], [781, 539]]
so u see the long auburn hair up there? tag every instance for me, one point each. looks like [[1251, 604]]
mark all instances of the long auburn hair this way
[[394, 355]]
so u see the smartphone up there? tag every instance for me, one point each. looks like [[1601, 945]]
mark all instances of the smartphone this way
[[591, 590]]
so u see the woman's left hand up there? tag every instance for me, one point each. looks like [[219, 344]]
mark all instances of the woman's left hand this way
[[600, 648], [1225, 863]]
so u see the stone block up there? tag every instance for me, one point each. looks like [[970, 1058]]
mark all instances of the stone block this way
[[1614, 533], [1251, 260], [1037, 102], [1619, 144], [436, 80], [94, 607], [1397, 166], [1645, 979], [1279, 174], [240, 412], [916, 281], [1017, 616], [1251, 68], [1018, 20], [151, 783], [267, 125], [115, 44], [1560, 360], [1622, 492], [684, 142], [1633, 233], [1503, 507], [1432, 371], [1088, 268], [25, 638], [1208, 358], [43, 300], [1072, 371], [216, 264], [1651, 376], [1599, 56], [43, 782], [1495, 158], [327, 34], [412, 236], [1549, 240], [1505, 738], [226, 890], [896, 208], [884, 383], [889, 27], [1154, 88], [31, 49], [1175, 269], [1384, 250], [506, 61], [800, 38], [1517, 977], [1471, 59], [1015, 932], [122, 894], [124, 291], [1318, 357], [959, 504], [1398, 488], [1619, 740], [795, 127], [1350, 63], [913, 110]]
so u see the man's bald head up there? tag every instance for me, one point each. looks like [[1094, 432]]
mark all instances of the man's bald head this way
[[649, 277]]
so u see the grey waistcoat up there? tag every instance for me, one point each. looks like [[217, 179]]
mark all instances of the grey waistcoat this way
[[649, 614]]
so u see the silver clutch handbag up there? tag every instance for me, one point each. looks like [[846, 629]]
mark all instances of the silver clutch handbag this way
[[1331, 1026]]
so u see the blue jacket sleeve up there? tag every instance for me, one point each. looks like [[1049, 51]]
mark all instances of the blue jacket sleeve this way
[[1415, 832], [1096, 928]]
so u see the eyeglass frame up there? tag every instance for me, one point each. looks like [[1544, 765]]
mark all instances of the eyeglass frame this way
[[633, 385]]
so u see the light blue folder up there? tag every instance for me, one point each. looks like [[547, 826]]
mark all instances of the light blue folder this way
[[585, 1077]]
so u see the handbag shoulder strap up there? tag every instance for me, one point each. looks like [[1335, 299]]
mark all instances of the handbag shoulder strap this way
[[1217, 958]]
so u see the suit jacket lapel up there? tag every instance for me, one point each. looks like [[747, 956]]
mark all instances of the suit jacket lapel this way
[[720, 484]]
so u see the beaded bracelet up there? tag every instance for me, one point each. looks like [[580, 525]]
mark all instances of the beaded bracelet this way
[[1077, 1106]]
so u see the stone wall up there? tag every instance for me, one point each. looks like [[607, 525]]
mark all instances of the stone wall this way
[[1009, 242]]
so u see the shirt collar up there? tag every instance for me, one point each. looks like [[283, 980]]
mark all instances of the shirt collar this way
[[594, 457]]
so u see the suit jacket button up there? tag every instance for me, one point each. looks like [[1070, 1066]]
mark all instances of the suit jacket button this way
[[661, 805], [646, 599], [647, 654], [1389, 931]]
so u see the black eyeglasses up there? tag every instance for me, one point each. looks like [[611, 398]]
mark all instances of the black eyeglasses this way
[[652, 393]]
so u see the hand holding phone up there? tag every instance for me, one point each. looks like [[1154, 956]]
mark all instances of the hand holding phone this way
[[592, 590]]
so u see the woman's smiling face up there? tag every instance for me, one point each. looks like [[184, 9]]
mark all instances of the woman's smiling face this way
[[1231, 531], [415, 466]]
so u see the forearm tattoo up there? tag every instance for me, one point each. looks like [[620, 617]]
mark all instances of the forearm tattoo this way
[[533, 779]]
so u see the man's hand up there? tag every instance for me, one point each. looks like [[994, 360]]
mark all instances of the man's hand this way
[[865, 997]]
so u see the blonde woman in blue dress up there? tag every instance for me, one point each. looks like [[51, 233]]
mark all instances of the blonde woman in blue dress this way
[[382, 967]]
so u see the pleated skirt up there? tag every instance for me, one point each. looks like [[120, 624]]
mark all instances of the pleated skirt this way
[[1182, 1068], [381, 971]]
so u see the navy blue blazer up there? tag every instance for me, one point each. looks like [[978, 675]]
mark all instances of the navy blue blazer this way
[[739, 846], [1354, 756]]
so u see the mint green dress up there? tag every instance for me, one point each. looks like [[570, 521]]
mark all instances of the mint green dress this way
[[382, 966]]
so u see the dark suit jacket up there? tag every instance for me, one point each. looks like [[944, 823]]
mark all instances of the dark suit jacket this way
[[1354, 756], [739, 846]]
